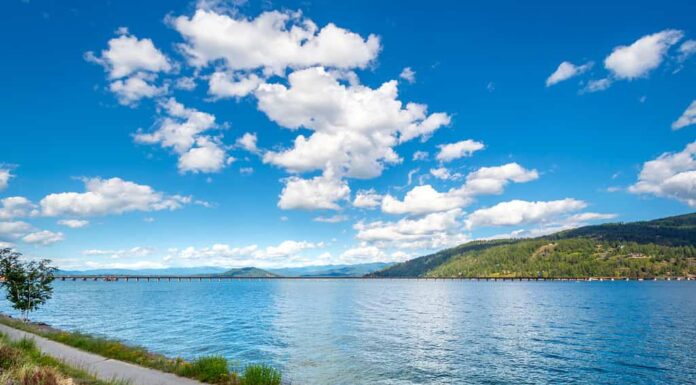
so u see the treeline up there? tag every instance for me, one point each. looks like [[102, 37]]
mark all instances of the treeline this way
[[580, 257]]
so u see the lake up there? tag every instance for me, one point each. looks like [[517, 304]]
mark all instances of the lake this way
[[403, 331]]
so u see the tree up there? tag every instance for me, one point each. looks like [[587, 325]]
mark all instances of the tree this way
[[28, 284]]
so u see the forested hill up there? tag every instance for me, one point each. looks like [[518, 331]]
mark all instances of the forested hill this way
[[659, 248]]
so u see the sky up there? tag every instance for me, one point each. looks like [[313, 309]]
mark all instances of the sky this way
[[278, 134]]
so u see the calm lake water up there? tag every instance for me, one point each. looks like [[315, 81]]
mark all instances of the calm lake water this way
[[403, 331]]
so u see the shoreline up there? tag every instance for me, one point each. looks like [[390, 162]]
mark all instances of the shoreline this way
[[206, 369]]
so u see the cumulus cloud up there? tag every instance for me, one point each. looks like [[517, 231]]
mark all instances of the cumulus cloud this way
[[444, 174], [109, 196], [408, 74], [367, 199], [286, 253], [687, 118], [130, 90], [127, 55], [484, 181], [320, 192], [643, 56], [248, 142], [184, 130], [671, 175], [517, 212], [73, 223], [5, 176], [452, 151], [17, 207], [687, 49], [432, 231], [354, 127], [222, 85], [14, 229], [132, 65], [567, 70], [43, 238], [273, 41]]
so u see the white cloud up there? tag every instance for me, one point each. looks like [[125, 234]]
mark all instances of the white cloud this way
[[5, 176], [14, 229], [432, 231], [17, 207], [133, 252], [73, 223], [687, 118], [320, 192], [272, 41], [109, 196], [671, 175], [248, 142], [127, 55], [687, 49], [222, 85], [363, 254], [286, 253], [43, 238], [354, 127], [444, 174], [207, 156], [420, 155], [596, 85], [424, 199], [643, 56], [183, 131], [408, 74], [130, 90], [484, 181], [367, 199], [567, 70], [331, 219], [185, 83], [452, 151], [517, 212], [6, 245]]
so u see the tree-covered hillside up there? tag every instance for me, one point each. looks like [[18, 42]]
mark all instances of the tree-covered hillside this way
[[660, 248]]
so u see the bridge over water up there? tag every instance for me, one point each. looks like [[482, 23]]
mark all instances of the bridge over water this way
[[191, 278]]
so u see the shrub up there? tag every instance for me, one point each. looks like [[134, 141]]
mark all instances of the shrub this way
[[260, 375], [211, 369], [9, 357]]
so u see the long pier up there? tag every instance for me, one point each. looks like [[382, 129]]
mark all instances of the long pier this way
[[200, 278]]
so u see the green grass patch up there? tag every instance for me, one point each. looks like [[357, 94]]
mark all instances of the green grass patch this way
[[260, 375], [21, 363], [209, 369]]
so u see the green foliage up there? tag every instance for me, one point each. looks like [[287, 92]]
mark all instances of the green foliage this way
[[210, 369], [660, 248], [260, 375], [28, 284], [571, 258], [21, 363]]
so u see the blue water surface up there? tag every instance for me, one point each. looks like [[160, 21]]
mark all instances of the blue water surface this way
[[403, 331]]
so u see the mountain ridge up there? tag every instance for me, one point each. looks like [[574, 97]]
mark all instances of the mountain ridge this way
[[660, 247]]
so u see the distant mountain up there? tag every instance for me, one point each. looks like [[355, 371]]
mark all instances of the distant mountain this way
[[174, 271], [357, 270], [658, 248], [248, 272]]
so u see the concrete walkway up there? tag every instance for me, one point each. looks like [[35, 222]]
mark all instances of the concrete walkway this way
[[103, 368]]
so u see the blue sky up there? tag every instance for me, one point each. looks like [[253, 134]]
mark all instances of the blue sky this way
[[296, 133]]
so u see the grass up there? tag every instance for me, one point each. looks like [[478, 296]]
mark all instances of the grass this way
[[209, 369], [21, 363]]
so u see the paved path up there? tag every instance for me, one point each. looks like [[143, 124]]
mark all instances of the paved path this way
[[103, 368]]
